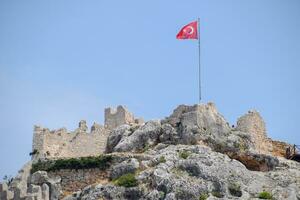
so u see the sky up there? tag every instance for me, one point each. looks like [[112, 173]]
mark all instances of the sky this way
[[66, 60]]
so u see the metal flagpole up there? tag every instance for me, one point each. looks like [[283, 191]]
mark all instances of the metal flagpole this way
[[199, 60]]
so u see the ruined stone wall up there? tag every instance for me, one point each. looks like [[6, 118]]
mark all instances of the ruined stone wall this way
[[119, 116], [63, 144], [254, 124], [79, 143], [73, 180]]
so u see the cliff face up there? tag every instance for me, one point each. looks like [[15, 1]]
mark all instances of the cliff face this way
[[192, 154]]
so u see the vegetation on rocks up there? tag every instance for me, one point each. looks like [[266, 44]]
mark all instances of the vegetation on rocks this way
[[102, 162], [265, 195], [217, 194], [162, 159], [203, 196], [127, 180], [184, 154]]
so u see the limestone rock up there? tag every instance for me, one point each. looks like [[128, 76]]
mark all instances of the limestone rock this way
[[116, 135], [19, 183], [146, 135], [127, 166], [45, 192], [169, 135], [39, 177]]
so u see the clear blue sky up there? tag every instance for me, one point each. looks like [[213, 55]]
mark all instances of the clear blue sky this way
[[66, 60]]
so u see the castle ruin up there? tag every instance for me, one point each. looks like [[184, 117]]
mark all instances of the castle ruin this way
[[83, 142], [61, 143]]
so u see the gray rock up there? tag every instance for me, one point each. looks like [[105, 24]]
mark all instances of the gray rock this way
[[116, 135], [146, 135], [127, 166], [19, 184], [39, 177], [35, 191], [3, 187], [169, 135], [54, 188], [203, 171], [45, 192]]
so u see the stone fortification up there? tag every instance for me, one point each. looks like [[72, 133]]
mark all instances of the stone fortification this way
[[73, 180], [254, 124], [63, 144], [194, 147], [79, 143], [116, 117]]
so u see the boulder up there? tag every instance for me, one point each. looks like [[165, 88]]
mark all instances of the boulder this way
[[169, 135], [144, 136], [116, 135], [127, 166], [39, 177]]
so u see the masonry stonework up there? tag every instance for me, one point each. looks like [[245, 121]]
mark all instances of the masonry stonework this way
[[119, 116], [79, 143], [73, 180], [253, 123]]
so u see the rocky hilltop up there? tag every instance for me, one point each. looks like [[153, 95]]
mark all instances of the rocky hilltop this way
[[192, 154]]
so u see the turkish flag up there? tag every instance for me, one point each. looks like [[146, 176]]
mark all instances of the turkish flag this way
[[189, 31]]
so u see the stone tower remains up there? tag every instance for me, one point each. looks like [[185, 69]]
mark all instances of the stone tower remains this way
[[119, 116], [254, 124]]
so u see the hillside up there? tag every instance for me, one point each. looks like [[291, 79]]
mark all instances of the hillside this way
[[192, 154]]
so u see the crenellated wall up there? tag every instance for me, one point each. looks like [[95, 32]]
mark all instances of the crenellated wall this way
[[81, 142], [63, 144]]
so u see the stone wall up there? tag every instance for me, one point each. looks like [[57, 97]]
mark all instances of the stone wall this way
[[63, 144], [119, 116], [79, 143], [254, 124], [77, 179]]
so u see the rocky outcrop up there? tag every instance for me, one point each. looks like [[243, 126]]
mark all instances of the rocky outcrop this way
[[127, 139], [125, 167], [192, 154], [195, 125], [189, 171]]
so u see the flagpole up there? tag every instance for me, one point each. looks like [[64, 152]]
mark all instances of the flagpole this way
[[199, 60]]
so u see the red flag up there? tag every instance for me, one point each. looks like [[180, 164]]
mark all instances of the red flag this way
[[189, 31]]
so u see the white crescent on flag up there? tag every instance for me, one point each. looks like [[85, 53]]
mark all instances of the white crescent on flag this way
[[189, 30]]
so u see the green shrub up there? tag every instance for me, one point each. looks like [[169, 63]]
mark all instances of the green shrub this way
[[146, 148], [217, 194], [235, 189], [162, 195], [127, 180], [265, 195], [203, 196], [101, 162], [162, 159], [184, 154]]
